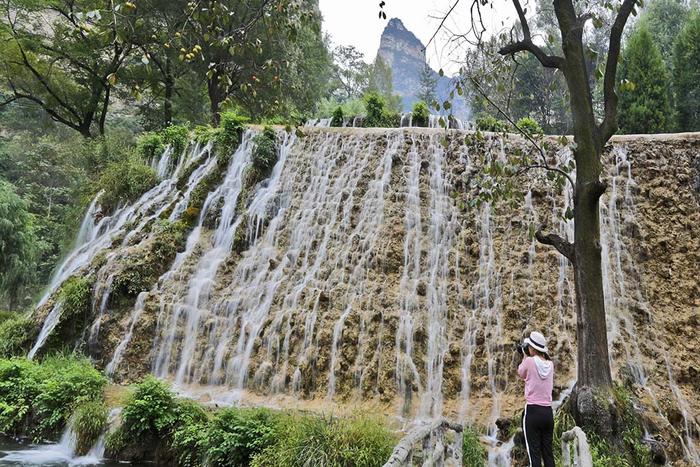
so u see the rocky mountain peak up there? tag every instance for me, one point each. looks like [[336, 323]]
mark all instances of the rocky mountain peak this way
[[404, 53]]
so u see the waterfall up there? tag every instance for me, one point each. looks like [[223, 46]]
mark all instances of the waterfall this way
[[361, 268], [64, 452]]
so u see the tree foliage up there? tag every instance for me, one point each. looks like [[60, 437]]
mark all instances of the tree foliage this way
[[17, 244], [686, 75], [64, 56], [427, 85], [644, 89]]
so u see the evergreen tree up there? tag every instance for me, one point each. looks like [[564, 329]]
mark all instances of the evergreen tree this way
[[17, 245], [686, 75], [428, 82], [644, 98]]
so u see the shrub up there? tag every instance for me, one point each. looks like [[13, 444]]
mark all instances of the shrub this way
[[89, 421], [421, 114], [150, 145], [473, 452], [37, 399], [189, 440], [16, 336], [124, 181], [205, 133], [529, 126], [337, 120], [374, 106], [177, 136], [490, 123], [320, 441], [150, 411], [76, 293], [231, 125], [235, 436], [265, 151]]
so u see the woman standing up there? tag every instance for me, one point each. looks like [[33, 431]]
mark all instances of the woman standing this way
[[538, 420]]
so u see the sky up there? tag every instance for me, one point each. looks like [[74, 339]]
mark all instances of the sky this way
[[356, 22]]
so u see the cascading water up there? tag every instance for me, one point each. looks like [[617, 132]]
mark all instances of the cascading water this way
[[358, 269], [64, 452]]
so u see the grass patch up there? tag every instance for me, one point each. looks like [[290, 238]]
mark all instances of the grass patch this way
[[321, 441], [473, 452], [89, 420]]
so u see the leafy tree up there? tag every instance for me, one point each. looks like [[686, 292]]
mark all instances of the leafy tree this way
[[427, 85], [381, 82], [155, 67], [644, 94], [540, 93], [686, 75], [242, 47], [350, 73], [47, 174], [17, 245], [64, 56], [665, 20]]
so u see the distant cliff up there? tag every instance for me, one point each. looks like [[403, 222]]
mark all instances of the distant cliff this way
[[403, 52]]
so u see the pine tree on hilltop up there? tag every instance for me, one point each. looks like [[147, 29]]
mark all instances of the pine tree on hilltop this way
[[644, 95], [428, 82]]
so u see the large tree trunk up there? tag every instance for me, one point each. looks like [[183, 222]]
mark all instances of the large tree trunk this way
[[593, 358], [591, 331]]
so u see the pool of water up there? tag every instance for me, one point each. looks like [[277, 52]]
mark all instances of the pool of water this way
[[16, 453]]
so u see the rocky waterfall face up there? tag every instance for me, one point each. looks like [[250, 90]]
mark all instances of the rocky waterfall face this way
[[358, 271]]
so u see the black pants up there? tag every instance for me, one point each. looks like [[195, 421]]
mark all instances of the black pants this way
[[538, 425]]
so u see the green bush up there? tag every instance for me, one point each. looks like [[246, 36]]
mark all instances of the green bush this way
[[16, 335], [265, 151], [89, 421], [529, 126], [37, 399], [150, 145], [177, 136], [150, 411], [232, 125], [473, 452], [189, 440], [235, 436], [374, 107], [124, 181], [205, 133], [337, 120], [76, 294], [320, 441], [490, 123], [421, 114]]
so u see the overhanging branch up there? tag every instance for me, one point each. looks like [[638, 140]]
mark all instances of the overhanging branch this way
[[564, 247], [526, 45]]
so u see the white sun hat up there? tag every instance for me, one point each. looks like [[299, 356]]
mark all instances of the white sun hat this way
[[537, 341]]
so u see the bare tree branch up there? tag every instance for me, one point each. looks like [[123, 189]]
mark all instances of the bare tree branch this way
[[609, 125], [563, 246], [526, 44]]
